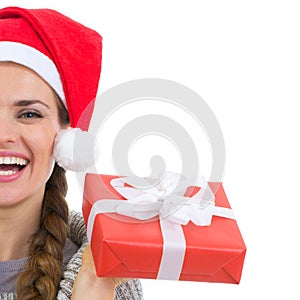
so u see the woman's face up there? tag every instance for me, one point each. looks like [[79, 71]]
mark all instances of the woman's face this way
[[28, 125]]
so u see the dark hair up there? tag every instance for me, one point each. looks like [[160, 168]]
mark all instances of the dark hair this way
[[42, 275], [43, 271]]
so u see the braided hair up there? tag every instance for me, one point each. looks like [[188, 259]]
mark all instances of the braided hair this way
[[43, 270], [42, 275]]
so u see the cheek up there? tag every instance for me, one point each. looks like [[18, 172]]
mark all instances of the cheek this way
[[41, 148], [40, 142]]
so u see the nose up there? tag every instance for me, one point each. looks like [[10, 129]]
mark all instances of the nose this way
[[8, 132]]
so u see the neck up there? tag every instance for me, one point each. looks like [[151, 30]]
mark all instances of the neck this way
[[17, 225]]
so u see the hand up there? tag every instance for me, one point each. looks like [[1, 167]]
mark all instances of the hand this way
[[88, 286]]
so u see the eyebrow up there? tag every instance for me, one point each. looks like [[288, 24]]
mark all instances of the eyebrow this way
[[24, 103]]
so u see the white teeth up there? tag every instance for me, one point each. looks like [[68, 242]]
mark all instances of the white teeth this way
[[7, 173], [13, 161]]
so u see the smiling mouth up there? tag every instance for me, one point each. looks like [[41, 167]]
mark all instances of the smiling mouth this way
[[11, 165]]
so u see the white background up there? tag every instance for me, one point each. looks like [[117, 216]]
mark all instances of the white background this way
[[243, 58]]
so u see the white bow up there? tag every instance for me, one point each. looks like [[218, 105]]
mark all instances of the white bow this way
[[164, 197]]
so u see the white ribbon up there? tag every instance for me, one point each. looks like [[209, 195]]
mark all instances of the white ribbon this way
[[163, 197]]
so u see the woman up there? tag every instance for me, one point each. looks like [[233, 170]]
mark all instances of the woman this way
[[49, 72]]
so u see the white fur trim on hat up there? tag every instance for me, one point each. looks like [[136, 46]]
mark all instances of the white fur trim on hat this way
[[75, 150], [35, 60]]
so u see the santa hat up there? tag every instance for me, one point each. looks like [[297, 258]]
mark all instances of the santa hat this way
[[67, 55]]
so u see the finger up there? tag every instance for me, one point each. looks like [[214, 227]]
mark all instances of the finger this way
[[87, 259], [118, 281]]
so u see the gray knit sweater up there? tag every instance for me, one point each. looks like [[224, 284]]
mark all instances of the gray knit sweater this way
[[130, 290]]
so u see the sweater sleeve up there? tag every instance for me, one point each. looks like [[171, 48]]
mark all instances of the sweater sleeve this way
[[131, 290]]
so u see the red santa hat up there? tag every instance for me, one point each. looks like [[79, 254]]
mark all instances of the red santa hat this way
[[67, 55]]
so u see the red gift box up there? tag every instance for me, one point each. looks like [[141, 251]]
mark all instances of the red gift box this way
[[128, 248]]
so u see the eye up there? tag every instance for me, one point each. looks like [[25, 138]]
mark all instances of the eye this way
[[30, 115]]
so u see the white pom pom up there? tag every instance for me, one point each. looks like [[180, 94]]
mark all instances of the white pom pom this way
[[74, 149]]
